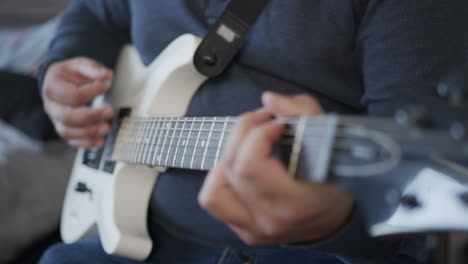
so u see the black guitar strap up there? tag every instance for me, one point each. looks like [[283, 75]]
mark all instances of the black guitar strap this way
[[226, 36]]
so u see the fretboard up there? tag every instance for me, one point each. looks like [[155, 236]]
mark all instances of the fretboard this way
[[197, 142], [181, 142]]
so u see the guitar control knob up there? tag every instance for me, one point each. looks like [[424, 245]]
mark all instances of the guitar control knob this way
[[81, 187], [410, 201]]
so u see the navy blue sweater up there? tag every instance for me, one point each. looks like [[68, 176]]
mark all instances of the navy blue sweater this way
[[351, 55]]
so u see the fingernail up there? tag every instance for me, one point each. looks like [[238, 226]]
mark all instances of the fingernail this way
[[268, 96]]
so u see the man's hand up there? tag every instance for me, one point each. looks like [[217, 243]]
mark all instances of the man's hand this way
[[68, 86], [252, 192]]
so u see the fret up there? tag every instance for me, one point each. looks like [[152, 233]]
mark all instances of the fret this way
[[208, 144], [195, 148], [152, 124], [186, 143], [140, 140], [178, 143], [118, 147], [156, 151], [137, 140], [170, 143], [168, 128], [144, 140], [155, 127], [296, 148], [129, 139], [220, 143]]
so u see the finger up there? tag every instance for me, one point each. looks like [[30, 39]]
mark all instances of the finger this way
[[256, 173], [75, 95], [218, 199], [92, 131], [250, 237], [290, 106], [244, 124], [91, 69], [78, 117], [86, 143]]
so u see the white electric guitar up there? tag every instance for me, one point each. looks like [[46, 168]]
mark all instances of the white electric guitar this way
[[110, 187]]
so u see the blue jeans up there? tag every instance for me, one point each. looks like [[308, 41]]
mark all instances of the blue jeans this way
[[170, 250]]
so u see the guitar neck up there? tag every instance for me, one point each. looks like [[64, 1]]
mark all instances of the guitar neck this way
[[198, 142]]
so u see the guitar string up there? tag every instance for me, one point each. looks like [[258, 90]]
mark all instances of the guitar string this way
[[193, 148], [288, 130], [167, 123], [232, 120]]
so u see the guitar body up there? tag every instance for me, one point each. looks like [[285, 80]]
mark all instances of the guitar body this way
[[92, 202]]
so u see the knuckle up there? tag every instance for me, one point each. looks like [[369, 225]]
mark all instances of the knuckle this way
[[66, 133], [80, 60], [251, 240], [310, 102], [258, 133], [245, 118], [93, 132], [272, 228], [62, 131], [66, 118], [72, 143], [205, 200], [245, 171], [76, 99], [307, 98], [245, 167], [58, 116], [47, 90]]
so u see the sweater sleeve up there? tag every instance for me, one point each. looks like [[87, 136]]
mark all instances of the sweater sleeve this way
[[92, 28], [408, 45]]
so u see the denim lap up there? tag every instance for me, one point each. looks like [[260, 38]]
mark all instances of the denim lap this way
[[90, 251]]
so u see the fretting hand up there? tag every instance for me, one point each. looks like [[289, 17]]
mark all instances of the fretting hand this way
[[253, 194]]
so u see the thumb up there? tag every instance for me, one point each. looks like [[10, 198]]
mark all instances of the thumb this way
[[291, 105]]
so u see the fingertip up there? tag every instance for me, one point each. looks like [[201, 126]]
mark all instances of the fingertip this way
[[268, 97], [107, 113], [104, 129], [274, 102], [104, 74], [98, 142]]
